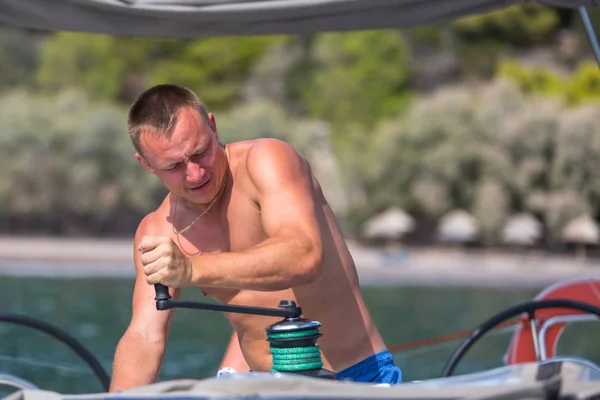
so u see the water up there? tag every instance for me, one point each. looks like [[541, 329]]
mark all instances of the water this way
[[96, 312]]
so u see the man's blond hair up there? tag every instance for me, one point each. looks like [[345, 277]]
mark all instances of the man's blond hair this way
[[157, 109]]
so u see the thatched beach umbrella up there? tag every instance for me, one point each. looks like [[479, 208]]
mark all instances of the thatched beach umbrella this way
[[390, 224], [458, 226], [582, 231], [522, 229]]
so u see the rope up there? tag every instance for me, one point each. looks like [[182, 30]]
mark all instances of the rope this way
[[295, 358], [296, 334], [445, 338]]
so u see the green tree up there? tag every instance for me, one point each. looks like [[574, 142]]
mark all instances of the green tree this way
[[532, 80], [520, 24], [584, 86], [215, 68], [68, 158], [118, 68], [357, 78], [81, 60], [19, 57]]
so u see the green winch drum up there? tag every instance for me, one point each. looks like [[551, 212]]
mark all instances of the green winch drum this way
[[293, 345]]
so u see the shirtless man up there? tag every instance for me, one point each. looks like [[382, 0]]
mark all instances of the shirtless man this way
[[248, 224]]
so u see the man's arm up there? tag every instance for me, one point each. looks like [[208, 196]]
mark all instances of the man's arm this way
[[141, 350], [292, 253], [290, 256]]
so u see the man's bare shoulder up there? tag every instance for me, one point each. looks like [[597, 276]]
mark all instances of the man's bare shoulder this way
[[155, 222], [256, 149], [264, 155], [270, 146]]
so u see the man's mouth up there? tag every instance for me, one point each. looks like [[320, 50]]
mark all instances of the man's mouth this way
[[199, 187]]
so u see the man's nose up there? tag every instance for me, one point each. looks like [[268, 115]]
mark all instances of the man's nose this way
[[194, 171]]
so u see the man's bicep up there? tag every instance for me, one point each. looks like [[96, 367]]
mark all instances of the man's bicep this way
[[145, 318], [285, 191]]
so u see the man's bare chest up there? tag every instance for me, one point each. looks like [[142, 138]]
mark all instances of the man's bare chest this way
[[235, 229]]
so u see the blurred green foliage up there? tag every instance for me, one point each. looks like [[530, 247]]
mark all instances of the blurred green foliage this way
[[67, 157], [67, 162], [535, 79], [358, 78], [511, 153], [107, 66], [215, 68], [582, 86], [19, 57], [519, 24], [499, 134], [81, 60]]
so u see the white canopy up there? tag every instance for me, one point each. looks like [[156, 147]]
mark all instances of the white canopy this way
[[389, 224], [195, 18]]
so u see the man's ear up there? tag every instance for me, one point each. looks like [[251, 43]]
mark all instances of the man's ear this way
[[213, 124], [144, 163]]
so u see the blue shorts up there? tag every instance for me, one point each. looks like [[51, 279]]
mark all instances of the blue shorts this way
[[378, 368]]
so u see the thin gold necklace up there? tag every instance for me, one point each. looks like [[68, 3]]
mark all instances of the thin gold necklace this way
[[187, 228]]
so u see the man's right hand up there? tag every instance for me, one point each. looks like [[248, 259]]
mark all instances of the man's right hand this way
[[163, 262]]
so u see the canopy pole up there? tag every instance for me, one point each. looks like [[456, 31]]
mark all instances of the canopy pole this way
[[589, 28]]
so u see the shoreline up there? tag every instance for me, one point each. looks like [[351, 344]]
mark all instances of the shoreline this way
[[112, 258]]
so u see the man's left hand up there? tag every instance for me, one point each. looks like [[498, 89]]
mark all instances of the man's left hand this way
[[164, 262]]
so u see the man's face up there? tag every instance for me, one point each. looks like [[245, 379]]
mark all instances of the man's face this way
[[191, 162]]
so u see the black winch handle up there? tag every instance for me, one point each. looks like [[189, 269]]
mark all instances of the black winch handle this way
[[286, 309], [162, 292]]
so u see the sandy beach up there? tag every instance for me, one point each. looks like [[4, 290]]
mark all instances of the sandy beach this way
[[58, 257]]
